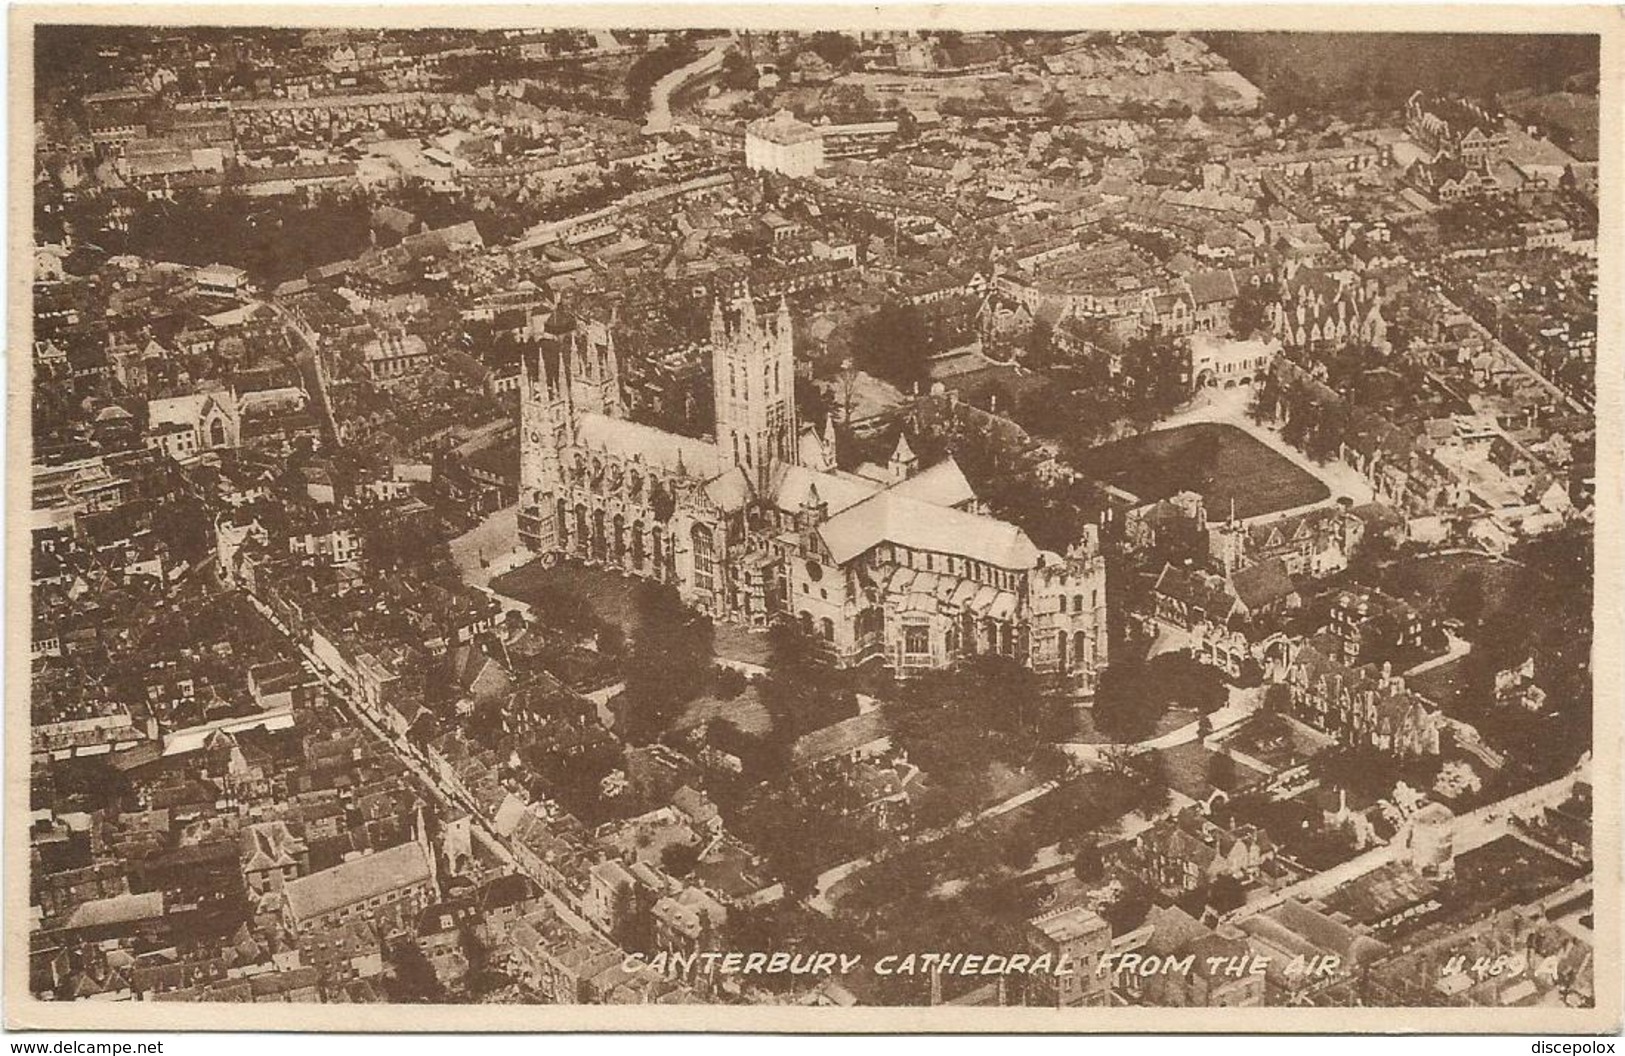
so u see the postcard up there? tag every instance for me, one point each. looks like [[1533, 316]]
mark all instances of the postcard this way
[[1052, 519]]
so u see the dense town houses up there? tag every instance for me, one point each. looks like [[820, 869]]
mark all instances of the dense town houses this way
[[516, 514]]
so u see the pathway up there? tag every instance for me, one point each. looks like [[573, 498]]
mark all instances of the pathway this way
[[490, 548], [819, 900], [1455, 649]]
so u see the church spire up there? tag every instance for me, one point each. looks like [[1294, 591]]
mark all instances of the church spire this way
[[903, 460]]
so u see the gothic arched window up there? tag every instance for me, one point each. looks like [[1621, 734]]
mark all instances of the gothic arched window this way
[[704, 557]]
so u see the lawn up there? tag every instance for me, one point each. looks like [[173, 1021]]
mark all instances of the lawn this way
[[1429, 580], [610, 595], [1219, 461], [1190, 770]]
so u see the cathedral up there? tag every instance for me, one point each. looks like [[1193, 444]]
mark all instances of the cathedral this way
[[890, 562]]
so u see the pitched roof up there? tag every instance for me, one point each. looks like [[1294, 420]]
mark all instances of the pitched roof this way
[[1264, 584], [1208, 593], [893, 518], [119, 909], [624, 439], [944, 484], [838, 490], [1208, 287], [356, 880]]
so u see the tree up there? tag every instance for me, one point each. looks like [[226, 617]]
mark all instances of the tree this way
[[667, 665], [1467, 597], [1225, 893], [834, 48], [956, 724], [738, 72], [413, 979], [1221, 770], [651, 66], [1127, 911], [1124, 709], [893, 343], [395, 543], [679, 859], [1133, 695], [1089, 864]]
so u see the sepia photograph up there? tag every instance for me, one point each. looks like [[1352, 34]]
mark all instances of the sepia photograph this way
[[539, 522]]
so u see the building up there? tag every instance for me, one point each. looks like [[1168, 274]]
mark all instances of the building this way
[[184, 427], [1225, 362], [1456, 128], [1363, 706], [395, 354], [387, 889], [1215, 977], [886, 563], [780, 143], [1080, 937], [272, 856]]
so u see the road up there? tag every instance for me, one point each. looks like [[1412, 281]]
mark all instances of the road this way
[[1468, 832], [1455, 649], [447, 800], [1241, 704], [659, 120], [310, 369]]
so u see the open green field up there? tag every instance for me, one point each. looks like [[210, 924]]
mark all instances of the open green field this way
[[1219, 461], [1334, 68]]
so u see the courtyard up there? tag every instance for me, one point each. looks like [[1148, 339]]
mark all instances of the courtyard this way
[[1219, 461]]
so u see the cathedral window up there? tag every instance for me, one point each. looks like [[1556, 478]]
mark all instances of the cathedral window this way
[[917, 640], [704, 558]]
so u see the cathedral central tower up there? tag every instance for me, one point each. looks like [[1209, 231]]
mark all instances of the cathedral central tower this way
[[753, 379]]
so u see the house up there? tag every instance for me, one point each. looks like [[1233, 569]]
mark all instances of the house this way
[[1191, 599], [1188, 852], [393, 355], [1177, 935], [1363, 706], [272, 856]]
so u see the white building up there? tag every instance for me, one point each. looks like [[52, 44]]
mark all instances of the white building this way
[[783, 144], [1223, 362]]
